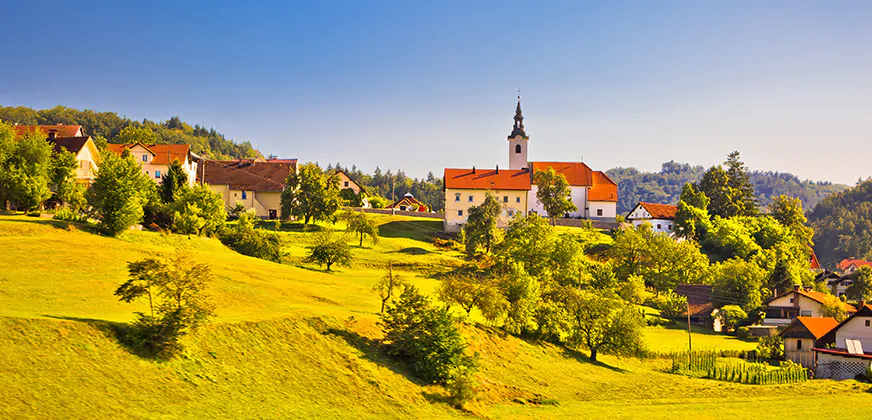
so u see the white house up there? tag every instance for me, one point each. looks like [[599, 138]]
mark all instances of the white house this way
[[846, 351], [660, 216], [155, 159]]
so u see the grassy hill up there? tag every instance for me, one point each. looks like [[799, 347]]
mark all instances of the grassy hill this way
[[293, 341]]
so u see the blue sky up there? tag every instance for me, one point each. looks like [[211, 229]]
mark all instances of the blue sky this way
[[427, 85]]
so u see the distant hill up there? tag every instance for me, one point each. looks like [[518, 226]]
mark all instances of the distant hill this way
[[843, 225], [205, 142], [665, 186]]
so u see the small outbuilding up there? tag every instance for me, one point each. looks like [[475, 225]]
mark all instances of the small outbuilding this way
[[800, 337]]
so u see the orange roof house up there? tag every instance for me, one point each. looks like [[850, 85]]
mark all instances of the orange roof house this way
[[154, 159], [800, 337], [849, 265], [603, 188], [661, 217], [408, 203], [782, 309], [488, 179], [577, 173], [254, 185]]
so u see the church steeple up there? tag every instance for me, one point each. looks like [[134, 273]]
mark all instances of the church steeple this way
[[518, 129]]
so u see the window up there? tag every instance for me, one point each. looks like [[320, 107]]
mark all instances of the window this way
[[157, 174], [867, 322], [244, 195], [145, 158], [791, 300], [511, 213], [517, 199], [457, 197], [799, 344], [804, 313], [599, 212], [518, 148], [346, 183], [460, 212], [670, 227], [470, 199], [659, 227], [505, 199]]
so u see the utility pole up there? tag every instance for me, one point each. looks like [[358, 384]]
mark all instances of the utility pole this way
[[689, 341], [393, 208]]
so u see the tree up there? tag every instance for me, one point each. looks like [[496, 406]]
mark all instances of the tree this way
[[833, 307], [25, 170], [361, 225], [328, 250], [133, 134], [737, 282], [715, 184], [733, 316], [424, 337], [861, 285], [175, 289], [349, 198], [199, 211], [744, 199], [632, 290], [246, 239], [481, 225], [63, 178], [119, 193], [521, 292], [310, 194], [788, 211], [173, 183], [554, 193], [692, 219], [600, 324], [671, 304], [387, 285], [469, 291], [529, 240]]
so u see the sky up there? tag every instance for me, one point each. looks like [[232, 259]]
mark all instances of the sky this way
[[422, 86]]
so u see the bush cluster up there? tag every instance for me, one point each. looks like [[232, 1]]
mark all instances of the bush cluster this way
[[248, 240]]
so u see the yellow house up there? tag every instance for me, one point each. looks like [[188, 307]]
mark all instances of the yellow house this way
[[465, 188], [256, 185], [155, 159]]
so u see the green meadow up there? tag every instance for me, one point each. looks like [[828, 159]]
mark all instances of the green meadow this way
[[293, 341]]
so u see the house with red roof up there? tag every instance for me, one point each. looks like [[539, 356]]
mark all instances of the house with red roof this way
[[594, 194], [783, 309], [850, 265], [661, 217], [699, 302], [408, 203], [801, 335], [846, 350], [155, 159], [254, 184]]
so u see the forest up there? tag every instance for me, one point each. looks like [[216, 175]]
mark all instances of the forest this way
[[842, 224]]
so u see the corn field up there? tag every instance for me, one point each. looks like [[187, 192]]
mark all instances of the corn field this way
[[705, 363]]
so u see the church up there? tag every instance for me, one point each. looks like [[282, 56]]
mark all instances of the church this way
[[594, 194]]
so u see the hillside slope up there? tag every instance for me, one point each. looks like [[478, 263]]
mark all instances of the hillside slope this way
[[294, 342]]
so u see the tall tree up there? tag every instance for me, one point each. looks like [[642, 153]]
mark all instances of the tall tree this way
[[481, 225], [737, 282], [173, 182], [861, 285], [554, 193], [133, 134], [329, 249], [120, 192], [361, 225], [788, 211], [310, 194], [601, 324], [740, 182], [387, 286], [25, 170]]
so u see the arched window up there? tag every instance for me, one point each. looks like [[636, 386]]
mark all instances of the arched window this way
[[518, 148]]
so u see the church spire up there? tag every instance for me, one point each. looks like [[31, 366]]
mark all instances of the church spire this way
[[518, 129]]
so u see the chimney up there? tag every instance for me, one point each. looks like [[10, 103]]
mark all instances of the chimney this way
[[52, 134], [861, 305], [498, 169], [796, 287], [473, 169]]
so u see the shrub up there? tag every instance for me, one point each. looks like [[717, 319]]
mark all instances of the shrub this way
[[248, 240], [770, 347], [35, 213], [426, 338], [743, 332], [671, 305], [462, 386], [68, 215]]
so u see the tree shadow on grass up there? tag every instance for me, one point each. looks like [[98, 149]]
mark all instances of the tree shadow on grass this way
[[583, 358], [412, 251], [121, 332], [61, 224], [374, 351]]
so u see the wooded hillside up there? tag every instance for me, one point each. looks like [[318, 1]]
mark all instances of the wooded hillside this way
[[107, 125], [665, 186], [843, 225]]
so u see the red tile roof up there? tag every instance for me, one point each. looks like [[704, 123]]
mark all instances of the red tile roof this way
[[815, 296], [487, 179], [818, 327], [847, 262], [163, 154], [660, 211], [247, 176], [60, 129], [603, 189], [577, 173], [411, 203]]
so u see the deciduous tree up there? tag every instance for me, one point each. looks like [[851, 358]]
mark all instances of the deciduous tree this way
[[554, 193], [387, 286], [481, 225], [310, 194], [120, 192], [601, 324], [329, 249], [361, 225]]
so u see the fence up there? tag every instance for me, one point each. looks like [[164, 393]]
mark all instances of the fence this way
[[402, 213]]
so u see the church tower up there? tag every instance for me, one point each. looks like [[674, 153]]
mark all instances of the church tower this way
[[518, 141]]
